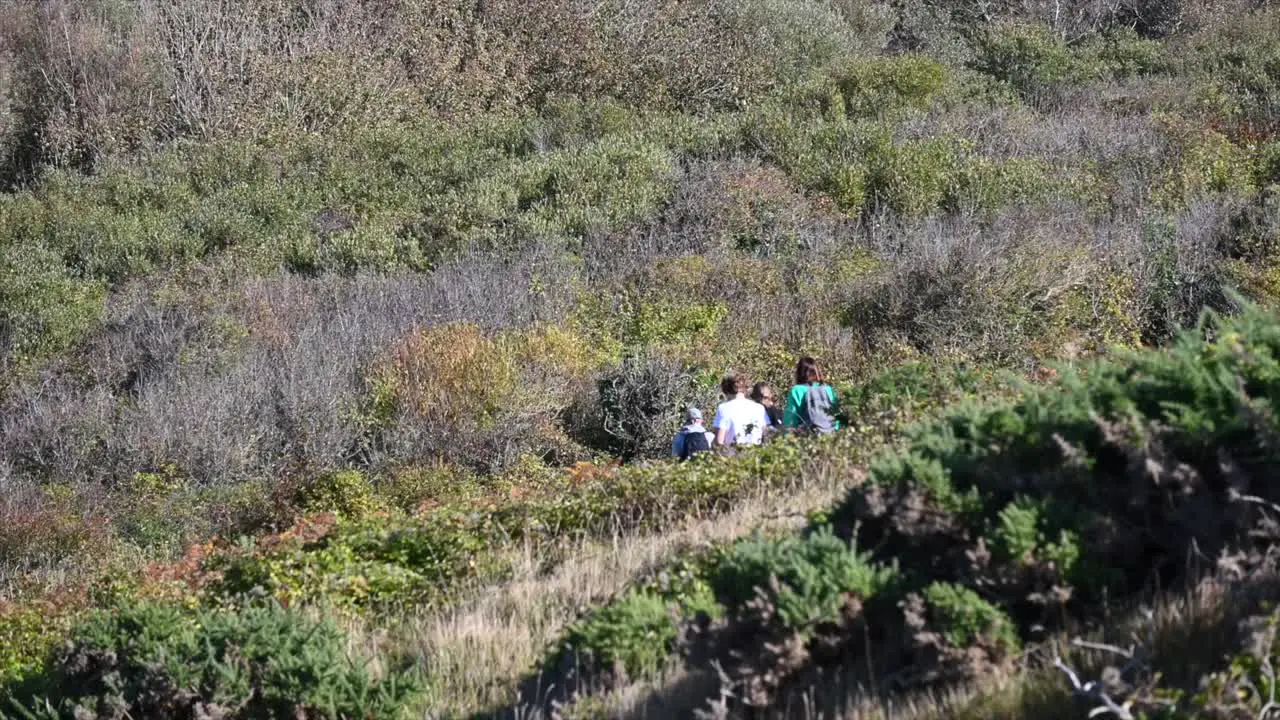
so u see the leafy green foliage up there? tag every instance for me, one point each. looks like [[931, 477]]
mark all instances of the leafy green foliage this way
[[884, 85], [371, 562], [964, 617], [1047, 495], [1027, 57], [895, 397], [44, 307], [27, 635], [634, 634], [863, 169], [809, 579], [347, 493], [929, 475], [158, 660]]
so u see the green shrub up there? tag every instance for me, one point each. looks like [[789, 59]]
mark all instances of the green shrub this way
[[906, 392], [567, 192], [986, 184], [635, 634], [881, 86], [1267, 165], [161, 508], [346, 492], [1030, 58], [1124, 54], [1068, 491], [1035, 530], [28, 633], [912, 179], [374, 562], [920, 471], [44, 309], [814, 577], [859, 165], [1206, 162], [965, 618], [1240, 63], [158, 660], [409, 488], [673, 321]]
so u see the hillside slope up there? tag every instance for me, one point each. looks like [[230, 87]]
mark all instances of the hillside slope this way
[[386, 312]]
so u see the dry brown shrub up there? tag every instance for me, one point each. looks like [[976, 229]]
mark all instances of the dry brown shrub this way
[[48, 533], [85, 81]]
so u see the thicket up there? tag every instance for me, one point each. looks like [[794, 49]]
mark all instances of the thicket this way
[[1006, 520], [165, 661], [384, 288]]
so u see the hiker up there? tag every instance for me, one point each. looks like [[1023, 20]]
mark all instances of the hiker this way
[[811, 403], [739, 420], [763, 394], [693, 438]]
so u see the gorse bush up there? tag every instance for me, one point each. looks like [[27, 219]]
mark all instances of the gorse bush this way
[[631, 636], [1058, 485], [158, 660], [964, 617], [808, 580]]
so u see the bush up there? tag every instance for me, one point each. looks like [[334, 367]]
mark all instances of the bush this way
[[1125, 54], [1071, 494], [28, 634], [1239, 61], [964, 618], [807, 581], [1207, 162], [641, 404], [44, 309], [567, 192], [881, 86], [449, 387], [374, 563], [1029, 58], [629, 637], [346, 493], [158, 660]]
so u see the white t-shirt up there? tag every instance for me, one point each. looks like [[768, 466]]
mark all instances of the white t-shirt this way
[[743, 421]]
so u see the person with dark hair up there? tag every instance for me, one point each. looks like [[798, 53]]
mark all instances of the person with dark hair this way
[[693, 438], [762, 393], [739, 420], [811, 403]]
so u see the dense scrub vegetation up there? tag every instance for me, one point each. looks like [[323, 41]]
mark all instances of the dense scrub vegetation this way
[[367, 311], [156, 660], [993, 526]]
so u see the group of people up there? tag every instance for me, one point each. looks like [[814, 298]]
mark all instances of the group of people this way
[[750, 414]]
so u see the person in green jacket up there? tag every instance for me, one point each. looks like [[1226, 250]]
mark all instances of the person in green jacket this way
[[811, 402]]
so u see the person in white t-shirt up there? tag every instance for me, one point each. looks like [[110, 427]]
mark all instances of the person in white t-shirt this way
[[739, 420]]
